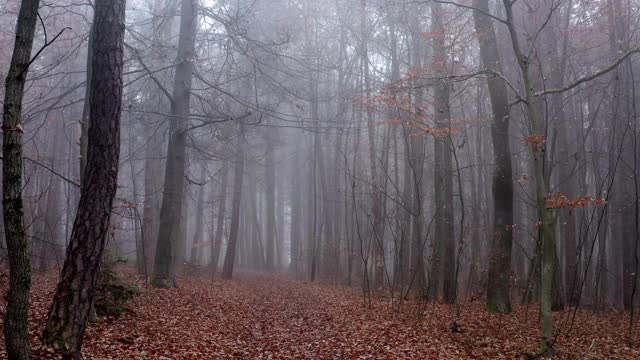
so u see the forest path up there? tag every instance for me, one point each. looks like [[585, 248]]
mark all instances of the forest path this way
[[262, 316]]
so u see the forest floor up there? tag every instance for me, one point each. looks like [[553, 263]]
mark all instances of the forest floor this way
[[267, 316]]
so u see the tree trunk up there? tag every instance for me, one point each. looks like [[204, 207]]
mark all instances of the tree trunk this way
[[222, 206], [416, 163], [75, 291], [443, 184], [171, 208], [86, 120], [296, 215], [150, 205], [498, 284], [545, 216], [198, 236], [16, 331], [270, 192], [227, 269]]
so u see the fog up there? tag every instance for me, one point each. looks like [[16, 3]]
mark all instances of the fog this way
[[445, 151]]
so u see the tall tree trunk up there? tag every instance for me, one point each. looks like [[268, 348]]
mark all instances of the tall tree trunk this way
[[296, 215], [270, 192], [416, 163], [375, 238], [86, 120], [227, 269], [443, 184], [75, 291], [134, 211], [171, 208], [545, 216], [150, 205], [498, 284], [198, 236], [216, 244], [16, 332], [338, 205], [477, 182], [49, 235], [279, 226]]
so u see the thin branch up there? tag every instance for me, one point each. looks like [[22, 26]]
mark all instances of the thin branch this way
[[149, 72], [589, 77], [46, 44], [466, 7], [51, 170]]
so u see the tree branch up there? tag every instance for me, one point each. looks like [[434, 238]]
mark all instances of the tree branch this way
[[46, 44], [468, 8], [149, 72], [589, 77], [51, 170]]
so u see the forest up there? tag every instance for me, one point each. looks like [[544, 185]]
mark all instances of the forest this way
[[320, 179]]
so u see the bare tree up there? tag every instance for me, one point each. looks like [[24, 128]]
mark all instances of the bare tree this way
[[499, 279], [16, 332], [76, 289], [172, 200], [238, 174]]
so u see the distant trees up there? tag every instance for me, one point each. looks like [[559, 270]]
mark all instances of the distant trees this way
[[443, 149], [74, 294]]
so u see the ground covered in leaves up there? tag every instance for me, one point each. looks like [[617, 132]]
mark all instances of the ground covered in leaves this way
[[262, 316]]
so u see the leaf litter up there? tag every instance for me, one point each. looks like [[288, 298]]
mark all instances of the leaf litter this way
[[264, 316]]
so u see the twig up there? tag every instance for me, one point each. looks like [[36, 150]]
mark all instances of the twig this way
[[46, 44]]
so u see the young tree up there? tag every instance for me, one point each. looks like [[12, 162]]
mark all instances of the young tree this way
[[76, 289], [16, 332]]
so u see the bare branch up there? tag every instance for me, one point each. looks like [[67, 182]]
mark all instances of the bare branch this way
[[46, 45], [589, 77], [149, 72]]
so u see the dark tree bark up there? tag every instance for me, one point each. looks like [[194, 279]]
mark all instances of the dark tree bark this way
[[227, 269], [443, 182], [76, 290], [84, 126], [16, 332], [498, 299], [171, 208]]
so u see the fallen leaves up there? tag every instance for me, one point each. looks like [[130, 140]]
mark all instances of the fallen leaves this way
[[261, 316]]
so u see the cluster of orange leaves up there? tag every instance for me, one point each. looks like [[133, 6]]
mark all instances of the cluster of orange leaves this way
[[415, 118], [128, 205], [559, 200], [535, 140]]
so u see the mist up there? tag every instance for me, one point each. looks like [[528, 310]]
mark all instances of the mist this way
[[424, 161]]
